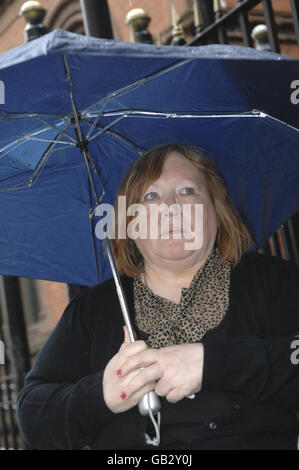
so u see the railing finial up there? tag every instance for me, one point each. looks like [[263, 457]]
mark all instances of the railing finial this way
[[33, 13], [198, 17], [260, 36], [138, 21], [177, 29]]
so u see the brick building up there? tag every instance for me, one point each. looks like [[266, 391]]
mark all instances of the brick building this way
[[66, 14]]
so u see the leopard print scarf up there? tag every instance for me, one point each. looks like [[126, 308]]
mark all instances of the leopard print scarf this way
[[202, 306]]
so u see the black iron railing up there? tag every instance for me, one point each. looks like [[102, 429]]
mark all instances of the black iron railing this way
[[240, 15], [285, 242], [10, 437], [295, 13], [9, 432]]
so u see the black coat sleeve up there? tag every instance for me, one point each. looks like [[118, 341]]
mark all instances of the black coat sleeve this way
[[266, 366], [61, 405]]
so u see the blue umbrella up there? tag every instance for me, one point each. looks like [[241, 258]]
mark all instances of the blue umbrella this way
[[79, 110]]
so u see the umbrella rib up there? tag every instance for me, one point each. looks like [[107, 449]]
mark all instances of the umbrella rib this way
[[19, 116], [98, 199], [56, 128], [159, 115], [70, 144], [281, 122], [62, 148], [18, 142], [119, 137], [139, 82], [48, 124], [155, 115], [96, 121], [39, 167], [47, 153], [107, 127], [24, 138]]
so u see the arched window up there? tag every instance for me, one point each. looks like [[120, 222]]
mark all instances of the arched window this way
[[65, 14]]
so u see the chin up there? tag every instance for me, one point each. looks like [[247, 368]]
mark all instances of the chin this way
[[176, 251]]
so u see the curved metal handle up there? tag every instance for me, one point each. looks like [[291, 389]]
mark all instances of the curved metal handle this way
[[149, 403]]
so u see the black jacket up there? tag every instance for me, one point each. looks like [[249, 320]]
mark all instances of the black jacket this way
[[250, 390]]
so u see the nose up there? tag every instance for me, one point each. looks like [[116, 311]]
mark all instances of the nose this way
[[170, 201], [170, 198]]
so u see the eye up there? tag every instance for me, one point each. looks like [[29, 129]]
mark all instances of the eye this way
[[152, 196], [187, 191]]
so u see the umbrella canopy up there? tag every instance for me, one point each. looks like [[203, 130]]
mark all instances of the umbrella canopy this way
[[79, 110]]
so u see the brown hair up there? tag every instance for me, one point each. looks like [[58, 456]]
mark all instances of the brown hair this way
[[233, 238]]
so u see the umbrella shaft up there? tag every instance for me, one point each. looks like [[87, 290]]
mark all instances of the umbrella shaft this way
[[125, 312], [119, 290], [150, 403]]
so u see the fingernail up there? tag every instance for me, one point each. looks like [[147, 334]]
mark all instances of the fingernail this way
[[123, 395], [119, 372]]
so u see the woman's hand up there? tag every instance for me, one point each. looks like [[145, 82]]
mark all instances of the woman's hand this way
[[180, 367], [122, 390]]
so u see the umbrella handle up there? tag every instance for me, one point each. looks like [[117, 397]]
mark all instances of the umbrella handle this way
[[150, 402]]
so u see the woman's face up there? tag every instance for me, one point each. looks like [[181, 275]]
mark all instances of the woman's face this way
[[181, 186]]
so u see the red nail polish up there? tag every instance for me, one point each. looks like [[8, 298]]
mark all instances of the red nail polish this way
[[123, 395], [119, 372]]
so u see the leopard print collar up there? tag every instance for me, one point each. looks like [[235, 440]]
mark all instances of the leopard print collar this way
[[202, 306]]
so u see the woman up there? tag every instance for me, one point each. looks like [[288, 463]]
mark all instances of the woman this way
[[211, 320]]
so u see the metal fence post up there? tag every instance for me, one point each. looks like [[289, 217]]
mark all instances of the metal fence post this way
[[271, 26], [16, 343], [96, 18], [295, 13], [245, 27]]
